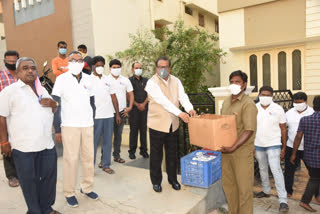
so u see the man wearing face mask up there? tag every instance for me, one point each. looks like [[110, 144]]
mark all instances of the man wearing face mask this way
[[300, 109], [138, 115], [123, 89], [107, 111], [237, 161], [73, 123], [7, 77], [270, 145], [165, 94], [60, 63]]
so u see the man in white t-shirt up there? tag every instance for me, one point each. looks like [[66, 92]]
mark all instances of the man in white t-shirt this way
[[270, 145], [122, 87], [107, 111], [300, 109], [26, 116], [73, 123]]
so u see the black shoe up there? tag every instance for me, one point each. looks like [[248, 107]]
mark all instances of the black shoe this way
[[157, 188], [261, 195], [283, 208], [175, 185], [132, 156], [144, 154]]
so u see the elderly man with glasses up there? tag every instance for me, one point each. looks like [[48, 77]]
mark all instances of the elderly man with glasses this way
[[73, 125]]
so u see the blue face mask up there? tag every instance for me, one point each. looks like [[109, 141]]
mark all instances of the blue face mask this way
[[62, 51], [163, 73]]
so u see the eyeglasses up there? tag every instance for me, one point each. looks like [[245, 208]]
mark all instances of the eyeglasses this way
[[161, 67], [76, 60]]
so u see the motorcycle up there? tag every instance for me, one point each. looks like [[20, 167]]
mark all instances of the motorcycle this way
[[44, 79]]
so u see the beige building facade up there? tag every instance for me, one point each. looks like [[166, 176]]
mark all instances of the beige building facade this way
[[103, 25], [276, 42]]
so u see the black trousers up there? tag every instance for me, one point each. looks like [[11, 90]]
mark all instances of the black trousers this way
[[290, 169], [312, 187], [157, 141], [138, 123], [9, 167], [37, 172]]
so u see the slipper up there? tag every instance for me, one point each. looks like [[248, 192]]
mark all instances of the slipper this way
[[119, 160], [307, 207], [108, 170], [100, 165], [13, 182]]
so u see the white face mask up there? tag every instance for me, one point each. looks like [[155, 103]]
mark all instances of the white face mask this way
[[234, 89], [116, 71], [75, 67], [300, 106], [265, 100], [138, 72], [100, 70]]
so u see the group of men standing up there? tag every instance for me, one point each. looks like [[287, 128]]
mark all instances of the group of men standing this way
[[86, 105]]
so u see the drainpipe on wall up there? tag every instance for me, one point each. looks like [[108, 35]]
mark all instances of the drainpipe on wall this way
[[151, 10]]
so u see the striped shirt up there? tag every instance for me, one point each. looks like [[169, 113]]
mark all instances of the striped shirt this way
[[6, 79]]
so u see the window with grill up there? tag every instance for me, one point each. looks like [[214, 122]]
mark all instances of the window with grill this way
[[296, 70], [254, 72], [188, 10], [282, 70], [201, 20]]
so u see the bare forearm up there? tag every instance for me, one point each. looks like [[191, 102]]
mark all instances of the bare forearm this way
[[115, 103], [297, 142], [243, 138], [131, 96], [3, 130], [145, 101]]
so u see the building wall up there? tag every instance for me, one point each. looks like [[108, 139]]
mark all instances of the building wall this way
[[227, 5], [312, 64], [231, 35], [38, 38], [281, 21], [82, 27]]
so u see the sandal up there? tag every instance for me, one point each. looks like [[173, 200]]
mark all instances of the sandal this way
[[100, 165], [13, 182], [119, 160], [108, 170], [307, 207]]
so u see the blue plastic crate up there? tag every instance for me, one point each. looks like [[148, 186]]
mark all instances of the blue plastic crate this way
[[200, 173]]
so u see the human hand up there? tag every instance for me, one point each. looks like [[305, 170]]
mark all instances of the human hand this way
[[6, 150], [118, 119], [292, 158], [283, 153], [58, 138], [184, 116], [227, 149], [193, 113]]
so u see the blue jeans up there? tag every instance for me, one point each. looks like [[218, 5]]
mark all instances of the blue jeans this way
[[270, 156], [117, 131], [103, 127], [37, 173]]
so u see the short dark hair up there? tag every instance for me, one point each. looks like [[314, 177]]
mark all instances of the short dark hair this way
[[74, 52], [11, 53], [316, 103], [114, 62], [135, 63], [163, 58], [266, 88], [98, 59], [62, 43], [82, 46], [239, 73], [300, 96]]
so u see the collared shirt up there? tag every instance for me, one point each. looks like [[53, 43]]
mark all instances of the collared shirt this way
[[293, 119], [120, 86], [29, 124], [139, 85], [268, 125], [59, 63], [246, 117], [102, 97], [6, 79], [155, 92], [310, 127], [75, 94]]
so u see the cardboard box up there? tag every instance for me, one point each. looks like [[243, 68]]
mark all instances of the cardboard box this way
[[213, 131]]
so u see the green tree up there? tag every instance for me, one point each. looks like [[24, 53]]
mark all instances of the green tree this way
[[192, 51]]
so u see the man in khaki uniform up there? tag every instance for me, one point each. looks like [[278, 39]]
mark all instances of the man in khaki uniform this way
[[237, 161]]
